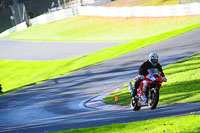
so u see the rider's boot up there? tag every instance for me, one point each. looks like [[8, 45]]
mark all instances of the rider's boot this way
[[131, 89]]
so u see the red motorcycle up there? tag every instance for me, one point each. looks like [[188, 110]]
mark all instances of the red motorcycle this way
[[152, 83]]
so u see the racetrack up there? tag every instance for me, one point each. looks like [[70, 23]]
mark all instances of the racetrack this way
[[58, 104], [45, 51]]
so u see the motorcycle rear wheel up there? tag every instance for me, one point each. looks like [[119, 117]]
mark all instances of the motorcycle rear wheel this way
[[153, 98], [135, 106]]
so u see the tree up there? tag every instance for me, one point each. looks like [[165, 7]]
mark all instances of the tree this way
[[2, 5], [5, 4]]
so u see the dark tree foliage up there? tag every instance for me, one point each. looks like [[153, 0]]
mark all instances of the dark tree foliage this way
[[5, 4]]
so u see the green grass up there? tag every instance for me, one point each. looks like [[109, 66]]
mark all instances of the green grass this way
[[160, 2], [183, 84], [17, 74], [122, 3], [88, 28], [184, 124]]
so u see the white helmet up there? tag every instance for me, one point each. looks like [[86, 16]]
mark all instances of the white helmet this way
[[153, 58]]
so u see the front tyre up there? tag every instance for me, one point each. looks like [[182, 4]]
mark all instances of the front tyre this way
[[135, 106], [153, 98]]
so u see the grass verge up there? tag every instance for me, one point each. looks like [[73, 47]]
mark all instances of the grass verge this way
[[182, 124], [91, 28], [17, 74], [183, 84], [124, 3]]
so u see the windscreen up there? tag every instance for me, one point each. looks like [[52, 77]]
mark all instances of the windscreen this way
[[154, 71]]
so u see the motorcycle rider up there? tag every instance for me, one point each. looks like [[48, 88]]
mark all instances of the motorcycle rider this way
[[152, 62]]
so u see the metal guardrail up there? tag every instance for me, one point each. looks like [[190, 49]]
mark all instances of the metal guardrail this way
[[55, 15], [139, 11]]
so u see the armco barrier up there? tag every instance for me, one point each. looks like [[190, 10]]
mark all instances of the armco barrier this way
[[53, 16], [142, 11], [43, 19], [15, 28], [136, 11]]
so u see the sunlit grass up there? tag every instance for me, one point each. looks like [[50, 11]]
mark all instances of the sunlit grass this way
[[124, 3], [184, 81], [17, 74], [182, 124], [183, 84], [160, 2], [85, 28]]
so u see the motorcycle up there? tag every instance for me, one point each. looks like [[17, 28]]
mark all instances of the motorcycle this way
[[152, 83]]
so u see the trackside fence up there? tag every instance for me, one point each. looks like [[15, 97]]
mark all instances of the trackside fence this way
[[142, 11], [54, 16], [136, 11]]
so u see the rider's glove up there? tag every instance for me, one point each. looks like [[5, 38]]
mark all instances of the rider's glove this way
[[165, 80]]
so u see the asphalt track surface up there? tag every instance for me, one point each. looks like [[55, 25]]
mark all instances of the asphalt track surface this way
[[58, 104], [45, 51]]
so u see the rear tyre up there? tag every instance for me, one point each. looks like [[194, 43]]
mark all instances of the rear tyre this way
[[135, 106], [153, 98]]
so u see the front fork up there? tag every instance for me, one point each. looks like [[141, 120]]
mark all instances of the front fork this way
[[150, 88]]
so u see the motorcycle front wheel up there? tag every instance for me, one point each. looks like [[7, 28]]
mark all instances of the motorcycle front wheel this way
[[153, 98], [135, 106]]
